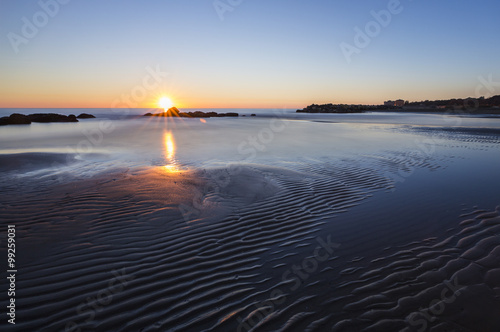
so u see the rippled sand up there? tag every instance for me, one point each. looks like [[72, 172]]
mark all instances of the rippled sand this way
[[383, 240]]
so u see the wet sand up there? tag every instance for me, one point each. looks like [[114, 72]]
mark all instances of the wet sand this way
[[382, 241]]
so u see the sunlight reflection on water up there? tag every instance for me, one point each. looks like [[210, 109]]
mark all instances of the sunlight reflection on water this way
[[171, 166]]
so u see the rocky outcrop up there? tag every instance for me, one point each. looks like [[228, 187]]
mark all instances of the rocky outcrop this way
[[16, 118], [51, 117], [174, 112], [85, 116]]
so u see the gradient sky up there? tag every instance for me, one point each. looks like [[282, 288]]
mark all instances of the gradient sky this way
[[264, 53]]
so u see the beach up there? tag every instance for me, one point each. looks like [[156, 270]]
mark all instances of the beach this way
[[279, 222]]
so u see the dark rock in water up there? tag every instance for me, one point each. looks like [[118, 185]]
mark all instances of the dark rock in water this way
[[253, 115], [174, 112], [51, 117], [15, 119], [197, 114], [212, 114], [85, 116]]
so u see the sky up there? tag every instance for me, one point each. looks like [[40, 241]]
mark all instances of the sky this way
[[245, 53]]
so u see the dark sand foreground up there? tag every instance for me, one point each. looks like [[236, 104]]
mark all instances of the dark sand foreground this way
[[336, 244]]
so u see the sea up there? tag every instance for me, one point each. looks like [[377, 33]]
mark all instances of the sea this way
[[343, 222]]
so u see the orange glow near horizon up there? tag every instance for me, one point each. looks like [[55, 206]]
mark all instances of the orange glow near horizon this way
[[115, 98], [34, 96], [49, 97]]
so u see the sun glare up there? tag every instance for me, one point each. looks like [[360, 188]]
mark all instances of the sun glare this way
[[165, 103]]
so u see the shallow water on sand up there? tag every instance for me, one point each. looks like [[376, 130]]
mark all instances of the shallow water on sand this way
[[263, 140], [349, 222]]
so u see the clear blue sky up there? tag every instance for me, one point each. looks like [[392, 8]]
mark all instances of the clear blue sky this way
[[264, 53]]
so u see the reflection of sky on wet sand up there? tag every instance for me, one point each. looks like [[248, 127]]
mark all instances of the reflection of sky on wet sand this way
[[181, 143]]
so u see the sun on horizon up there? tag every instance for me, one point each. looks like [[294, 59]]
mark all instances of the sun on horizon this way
[[165, 103]]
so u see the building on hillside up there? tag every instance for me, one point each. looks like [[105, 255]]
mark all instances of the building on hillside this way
[[399, 103]]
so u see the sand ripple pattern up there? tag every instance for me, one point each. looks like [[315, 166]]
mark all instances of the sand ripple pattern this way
[[452, 285], [221, 274], [464, 138]]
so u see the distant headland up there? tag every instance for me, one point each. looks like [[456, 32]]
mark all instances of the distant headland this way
[[467, 105], [339, 108], [480, 105], [174, 112], [21, 119]]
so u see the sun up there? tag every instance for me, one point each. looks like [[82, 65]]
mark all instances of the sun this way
[[165, 103]]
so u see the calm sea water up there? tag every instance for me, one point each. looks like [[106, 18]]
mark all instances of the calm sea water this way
[[273, 137], [375, 182], [128, 113]]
